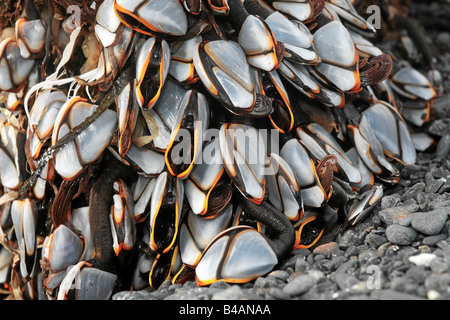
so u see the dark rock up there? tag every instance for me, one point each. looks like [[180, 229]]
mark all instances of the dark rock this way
[[345, 280], [327, 249], [375, 239], [390, 201], [435, 185], [432, 240], [429, 223], [400, 235], [349, 238], [300, 285]]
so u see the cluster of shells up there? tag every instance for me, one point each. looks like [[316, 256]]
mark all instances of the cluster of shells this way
[[152, 140]]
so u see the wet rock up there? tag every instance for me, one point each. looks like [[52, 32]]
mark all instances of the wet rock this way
[[400, 235]]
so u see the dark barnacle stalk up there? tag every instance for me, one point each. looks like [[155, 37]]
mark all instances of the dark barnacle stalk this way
[[283, 237], [100, 202]]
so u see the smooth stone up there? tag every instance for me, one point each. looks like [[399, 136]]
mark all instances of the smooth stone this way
[[300, 285], [422, 259], [279, 274], [409, 193], [278, 293], [394, 295], [351, 251], [400, 235], [439, 265], [234, 292], [435, 185], [326, 249], [406, 221], [417, 273], [376, 239], [411, 169], [439, 282], [219, 285], [348, 239], [390, 201], [345, 280], [431, 222], [432, 240], [134, 295], [396, 214], [302, 264]]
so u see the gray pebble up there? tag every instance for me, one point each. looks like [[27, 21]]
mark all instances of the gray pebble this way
[[278, 293], [417, 273], [134, 295], [409, 193], [438, 127], [390, 201], [394, 295], [234, 292], [300, 285], [429, 223], [409, 170], [349, 238], [406, 221], [439, 265], [376, 239], [432, 240], [279, 274], [345, 280], [396, 214], [439, 282], [220, 285], [301, 264], [443, 147], [435, 185], [319, 257], [326, 249], [400, 235], [351, 251]]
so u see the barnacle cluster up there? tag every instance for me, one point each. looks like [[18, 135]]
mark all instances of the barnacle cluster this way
[[155, 140]]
